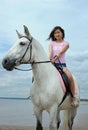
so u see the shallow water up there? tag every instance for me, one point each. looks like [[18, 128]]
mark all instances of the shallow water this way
[[19, 112]]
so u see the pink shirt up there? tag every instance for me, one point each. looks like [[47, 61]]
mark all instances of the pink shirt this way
[[56, 49]]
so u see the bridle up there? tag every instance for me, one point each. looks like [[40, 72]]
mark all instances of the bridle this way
[[29, 45], [20, 61], [29, 61]]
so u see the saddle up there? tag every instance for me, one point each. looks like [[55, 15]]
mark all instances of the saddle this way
[[65, 80]]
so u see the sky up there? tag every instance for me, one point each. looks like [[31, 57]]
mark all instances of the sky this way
[[40, 16]]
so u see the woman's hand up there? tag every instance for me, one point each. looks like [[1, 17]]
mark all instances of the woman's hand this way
[[54, 59]]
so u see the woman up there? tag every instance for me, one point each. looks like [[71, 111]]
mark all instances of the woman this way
[[57, 50]]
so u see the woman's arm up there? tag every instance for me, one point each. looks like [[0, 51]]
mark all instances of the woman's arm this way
[[63, 50]]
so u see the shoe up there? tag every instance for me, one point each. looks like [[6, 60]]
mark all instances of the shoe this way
[[74, 102]]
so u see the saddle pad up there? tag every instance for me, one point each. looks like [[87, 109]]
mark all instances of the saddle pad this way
[[63, 85]]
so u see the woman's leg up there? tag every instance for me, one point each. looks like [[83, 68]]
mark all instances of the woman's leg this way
[[69, 75]]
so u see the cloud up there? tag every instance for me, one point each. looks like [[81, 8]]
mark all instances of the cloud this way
[[15, 83], [18, 83], [41, 17], [77, 64]]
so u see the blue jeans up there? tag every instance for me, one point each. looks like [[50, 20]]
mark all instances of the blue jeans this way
[[60, 65]]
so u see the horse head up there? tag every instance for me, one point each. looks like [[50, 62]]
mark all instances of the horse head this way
[[20, 52]]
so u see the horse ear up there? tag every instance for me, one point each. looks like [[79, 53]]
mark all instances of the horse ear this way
[[19, 35], [26, 31]]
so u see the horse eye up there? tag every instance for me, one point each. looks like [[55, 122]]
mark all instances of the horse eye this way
[[22, 43]]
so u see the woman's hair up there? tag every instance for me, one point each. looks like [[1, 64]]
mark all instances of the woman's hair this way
[[51, 35]]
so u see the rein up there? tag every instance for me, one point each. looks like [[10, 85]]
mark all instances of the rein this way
[[38, 62], [22, 69]]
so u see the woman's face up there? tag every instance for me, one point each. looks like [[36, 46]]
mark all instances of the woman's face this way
[[58, 35]]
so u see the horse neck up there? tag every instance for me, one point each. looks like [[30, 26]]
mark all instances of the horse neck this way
[[40, 69]]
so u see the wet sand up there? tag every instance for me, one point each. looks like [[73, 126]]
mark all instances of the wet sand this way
[[80, 122]]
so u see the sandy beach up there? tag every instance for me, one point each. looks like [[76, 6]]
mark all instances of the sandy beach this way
[[18, 118]]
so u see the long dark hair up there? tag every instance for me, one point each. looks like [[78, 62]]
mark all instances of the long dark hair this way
[[51, 35]]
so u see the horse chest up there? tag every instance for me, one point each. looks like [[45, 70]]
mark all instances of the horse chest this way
[[40, 98], [40, 103], [43, 98]]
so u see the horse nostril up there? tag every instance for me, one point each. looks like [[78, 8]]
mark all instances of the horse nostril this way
[[8, 64], [5, 61]]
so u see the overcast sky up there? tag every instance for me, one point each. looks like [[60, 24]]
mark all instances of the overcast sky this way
[[41, 16]]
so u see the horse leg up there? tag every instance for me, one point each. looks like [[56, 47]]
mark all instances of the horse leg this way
[[65, 121], [53, 118], [71, 116], [38, 115], [58, 119]]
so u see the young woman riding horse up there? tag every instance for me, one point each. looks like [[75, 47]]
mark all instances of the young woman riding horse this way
[[46, 91]]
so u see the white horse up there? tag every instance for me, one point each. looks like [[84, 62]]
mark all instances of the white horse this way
[[46, 91]]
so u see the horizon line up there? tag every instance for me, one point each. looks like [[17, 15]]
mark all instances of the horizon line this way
[[29, 98]]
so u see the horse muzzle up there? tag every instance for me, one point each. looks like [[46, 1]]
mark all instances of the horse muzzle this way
[[8, 64]]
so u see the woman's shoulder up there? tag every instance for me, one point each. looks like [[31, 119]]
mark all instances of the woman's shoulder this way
[[51, 43], [65, 43]]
